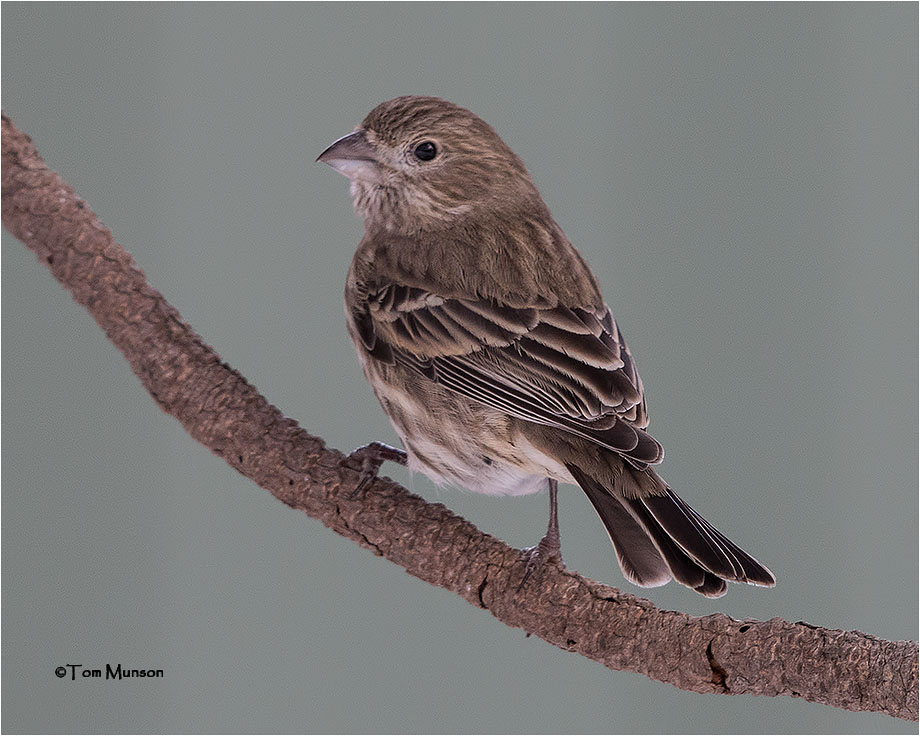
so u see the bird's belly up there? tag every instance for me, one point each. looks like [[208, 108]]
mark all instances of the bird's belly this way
[[459, 466], [455, 441]]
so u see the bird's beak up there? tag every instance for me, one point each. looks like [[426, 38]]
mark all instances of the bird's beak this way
[[353, 156]]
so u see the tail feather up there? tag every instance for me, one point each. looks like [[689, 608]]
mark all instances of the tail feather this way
[[704, 542], [712, 587], [686, 570], [657, 537], [639, 558]]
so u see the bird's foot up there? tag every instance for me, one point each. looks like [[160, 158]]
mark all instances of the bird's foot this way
[[549, 547], [548, 550], [371, 457]]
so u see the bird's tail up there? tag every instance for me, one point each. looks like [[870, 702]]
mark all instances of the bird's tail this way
[[659, 537]]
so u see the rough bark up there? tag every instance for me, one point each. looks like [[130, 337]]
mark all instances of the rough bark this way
[[220, 409]]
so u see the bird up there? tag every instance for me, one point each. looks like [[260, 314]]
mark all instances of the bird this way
[[484, 336]]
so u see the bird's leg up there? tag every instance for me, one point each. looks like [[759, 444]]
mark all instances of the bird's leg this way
[[372, 456], [549, 547]]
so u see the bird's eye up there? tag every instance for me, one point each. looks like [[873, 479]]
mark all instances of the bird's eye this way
[[425, 151]]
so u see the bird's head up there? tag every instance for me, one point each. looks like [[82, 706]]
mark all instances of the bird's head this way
[[422, 163]]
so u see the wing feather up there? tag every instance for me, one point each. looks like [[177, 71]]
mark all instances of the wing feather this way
[[589, 348], [551, 364]]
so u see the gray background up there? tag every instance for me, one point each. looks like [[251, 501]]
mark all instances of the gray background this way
[[742, 179]]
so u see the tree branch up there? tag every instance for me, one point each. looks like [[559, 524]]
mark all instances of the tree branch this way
[[712, 654]]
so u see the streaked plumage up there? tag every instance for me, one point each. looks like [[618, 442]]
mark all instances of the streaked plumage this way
[[485, 337]]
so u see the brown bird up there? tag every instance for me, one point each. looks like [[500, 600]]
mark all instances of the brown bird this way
[[486, 339]]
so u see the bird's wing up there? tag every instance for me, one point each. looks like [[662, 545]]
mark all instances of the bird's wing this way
[[561, 366]]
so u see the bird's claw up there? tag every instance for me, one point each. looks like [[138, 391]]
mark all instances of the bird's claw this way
[[536, 557], [371, 457]]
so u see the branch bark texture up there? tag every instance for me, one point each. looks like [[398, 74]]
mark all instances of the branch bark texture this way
[[220, 409]]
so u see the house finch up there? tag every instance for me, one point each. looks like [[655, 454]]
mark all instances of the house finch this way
[[486, 340]]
